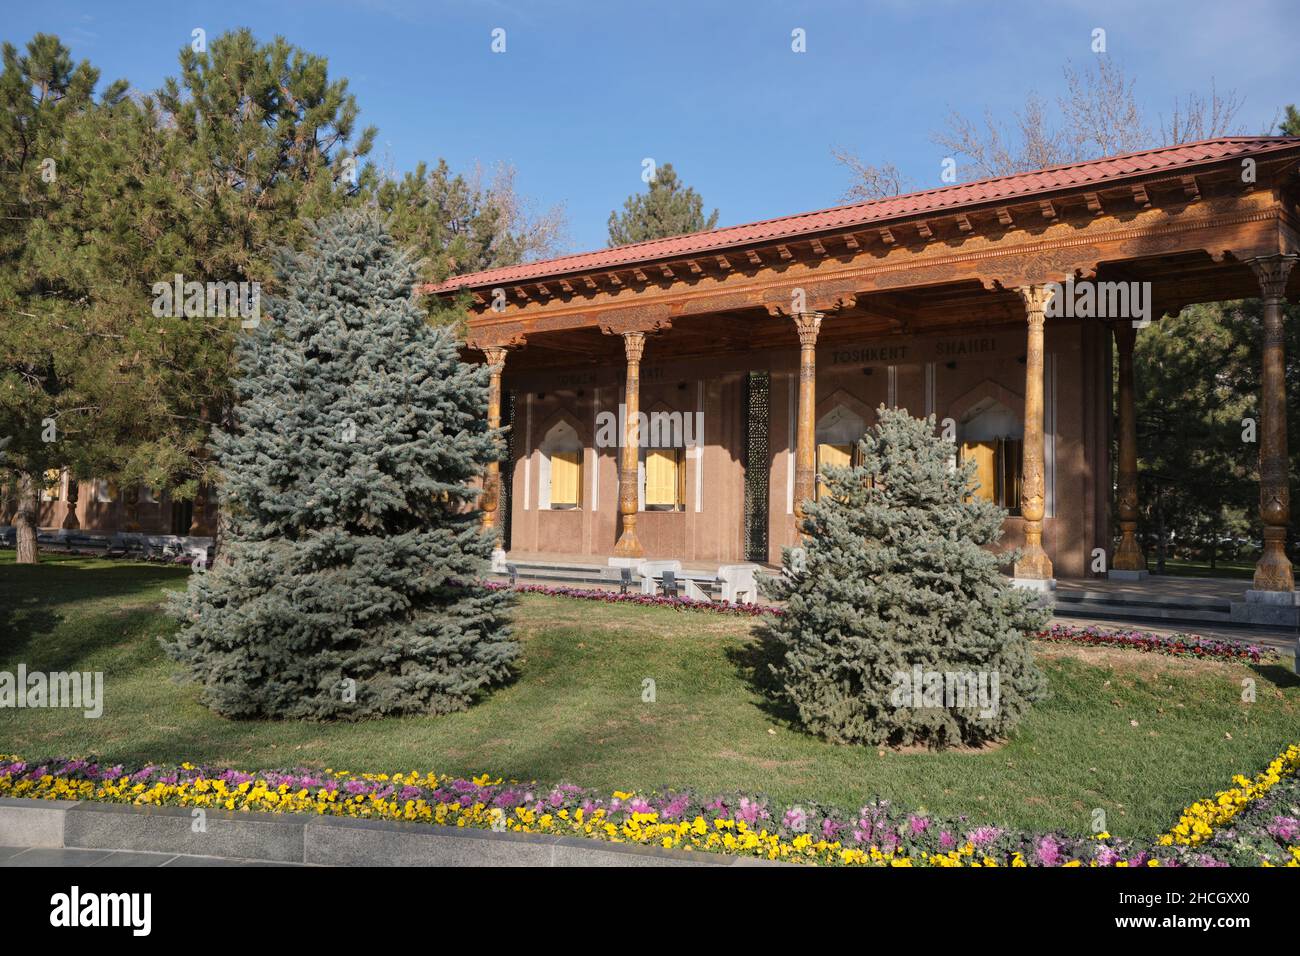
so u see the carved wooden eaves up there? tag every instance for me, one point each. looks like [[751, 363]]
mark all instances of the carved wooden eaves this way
[[637, 318], [505, 335], [823, 297]]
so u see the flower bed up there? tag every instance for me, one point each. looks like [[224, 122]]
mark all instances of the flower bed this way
[[1250, 820], [1175, 645], [644, 600], [1254, 823]]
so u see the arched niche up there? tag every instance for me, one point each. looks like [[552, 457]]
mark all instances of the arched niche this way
[[560, 471]]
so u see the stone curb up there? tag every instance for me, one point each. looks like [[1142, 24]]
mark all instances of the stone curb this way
[[323, 841]]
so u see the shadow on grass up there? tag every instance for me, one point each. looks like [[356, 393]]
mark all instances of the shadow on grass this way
[[1279, 674], [51, 584], [39, 601], [72, 649], [755, 662]]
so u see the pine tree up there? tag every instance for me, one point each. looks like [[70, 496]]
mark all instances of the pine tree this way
[[1290, 125], [668, 208], [349, 586], [895, 574], [57, 369]]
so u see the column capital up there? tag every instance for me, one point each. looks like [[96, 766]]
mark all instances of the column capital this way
[[496, 358], [807, 324], [1272, 273], [633, 345], [1036, 298]]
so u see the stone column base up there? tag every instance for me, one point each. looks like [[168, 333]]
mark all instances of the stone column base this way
[[1266, 612], [499, 561], [1118, 575], [1284, 598], [1035, 584]]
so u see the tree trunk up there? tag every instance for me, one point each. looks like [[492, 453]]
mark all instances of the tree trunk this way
[[219, 538], [26, 518], [8, 500], [1160, 532]]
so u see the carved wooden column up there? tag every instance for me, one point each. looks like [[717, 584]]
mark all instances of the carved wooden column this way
[[1034, 565], [496, 362], [805, 458], [199, 527], [131, 507], [1273, 571], [1128, 556], [70, 520], [629, 498]]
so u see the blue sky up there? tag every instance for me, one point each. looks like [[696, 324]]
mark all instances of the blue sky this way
[[585, 91]]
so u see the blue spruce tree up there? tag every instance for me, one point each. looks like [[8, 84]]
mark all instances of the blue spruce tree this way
[[347, 586], [899, 628]]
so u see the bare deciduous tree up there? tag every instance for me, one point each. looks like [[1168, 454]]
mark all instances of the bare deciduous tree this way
[[536, 234], [1201, 117], [1097, 115], [871, 182]]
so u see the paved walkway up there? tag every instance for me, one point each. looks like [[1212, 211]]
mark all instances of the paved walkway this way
[[1163, 585], [602, 561], [45, 856]]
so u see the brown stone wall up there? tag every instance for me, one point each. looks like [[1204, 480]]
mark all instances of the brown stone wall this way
[[106, 517]]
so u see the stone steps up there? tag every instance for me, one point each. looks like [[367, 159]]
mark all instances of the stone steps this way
[[585, 575], [1168, 609]]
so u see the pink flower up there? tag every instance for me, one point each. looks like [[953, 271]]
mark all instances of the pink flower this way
[[1285, 829], [1048, 852], [1107, 856]]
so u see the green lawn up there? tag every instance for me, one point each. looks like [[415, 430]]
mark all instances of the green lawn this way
[[576, 713], [1201, 569]]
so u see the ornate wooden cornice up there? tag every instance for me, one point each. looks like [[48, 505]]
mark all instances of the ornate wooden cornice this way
[[821, 297], [637, 318], [1239, 226], [504, 335]]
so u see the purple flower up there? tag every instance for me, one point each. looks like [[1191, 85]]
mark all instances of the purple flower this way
[[1106, 856], [1285, 829], [751, 811], [675, 808], [1048, 852]]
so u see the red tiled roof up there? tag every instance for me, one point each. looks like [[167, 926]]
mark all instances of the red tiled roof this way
[[856, 215]]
